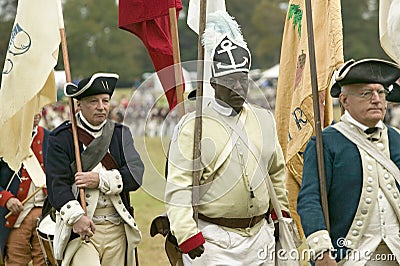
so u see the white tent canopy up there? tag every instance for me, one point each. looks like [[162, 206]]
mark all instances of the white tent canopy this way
[[156, 83], [270, 73]]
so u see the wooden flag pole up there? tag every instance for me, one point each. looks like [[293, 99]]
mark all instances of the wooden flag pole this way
[[71, 101], [317, 117], [27, 198], [199, 108], [177, 61]]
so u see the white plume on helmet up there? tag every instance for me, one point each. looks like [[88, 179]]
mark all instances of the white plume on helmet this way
[[220, 24]]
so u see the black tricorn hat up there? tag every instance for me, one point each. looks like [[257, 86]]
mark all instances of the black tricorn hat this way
[[98, 83], [369, 71]]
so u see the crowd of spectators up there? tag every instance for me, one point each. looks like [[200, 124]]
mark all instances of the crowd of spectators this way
[[146, 111]]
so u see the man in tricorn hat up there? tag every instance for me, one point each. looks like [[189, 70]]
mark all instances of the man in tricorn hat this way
[[111, 169], [234, 225], [362, 160]]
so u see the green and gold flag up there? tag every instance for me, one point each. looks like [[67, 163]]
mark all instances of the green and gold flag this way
[[294, 105]]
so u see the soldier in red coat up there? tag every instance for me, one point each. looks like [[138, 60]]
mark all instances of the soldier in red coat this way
[[19, 242]]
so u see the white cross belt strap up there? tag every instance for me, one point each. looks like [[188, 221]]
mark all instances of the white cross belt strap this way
[[263, 165], [34, 170], [370, 149]]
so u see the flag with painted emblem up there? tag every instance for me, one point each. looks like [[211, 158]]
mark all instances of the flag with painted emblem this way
[[294, 105], [149, 20], [194, 12], [389, 28], [193, 19], [28, 81]]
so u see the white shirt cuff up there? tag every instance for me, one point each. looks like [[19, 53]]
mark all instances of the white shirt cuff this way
[[110, 181], [319, 242], [71, 212]]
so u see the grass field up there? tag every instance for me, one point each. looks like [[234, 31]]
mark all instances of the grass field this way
[[148, 201]]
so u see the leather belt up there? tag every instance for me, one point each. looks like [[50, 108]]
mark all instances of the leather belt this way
[[233, 222]]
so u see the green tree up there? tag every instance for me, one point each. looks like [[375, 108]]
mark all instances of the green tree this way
[[261, 22], [96, 44], [187, 38], [361, 30], [267, 22]]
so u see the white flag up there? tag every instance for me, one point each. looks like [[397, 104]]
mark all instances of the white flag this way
[[193, 23], [28, 81], [389, 28], [194, 12]]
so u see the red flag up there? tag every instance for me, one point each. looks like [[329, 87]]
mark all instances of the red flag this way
[[149, 20]]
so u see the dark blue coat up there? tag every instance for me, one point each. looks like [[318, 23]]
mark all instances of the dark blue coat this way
[[344, 182], [5, 176], [60, 178]]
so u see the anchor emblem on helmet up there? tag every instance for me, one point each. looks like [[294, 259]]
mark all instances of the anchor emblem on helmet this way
[[227, 47]]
